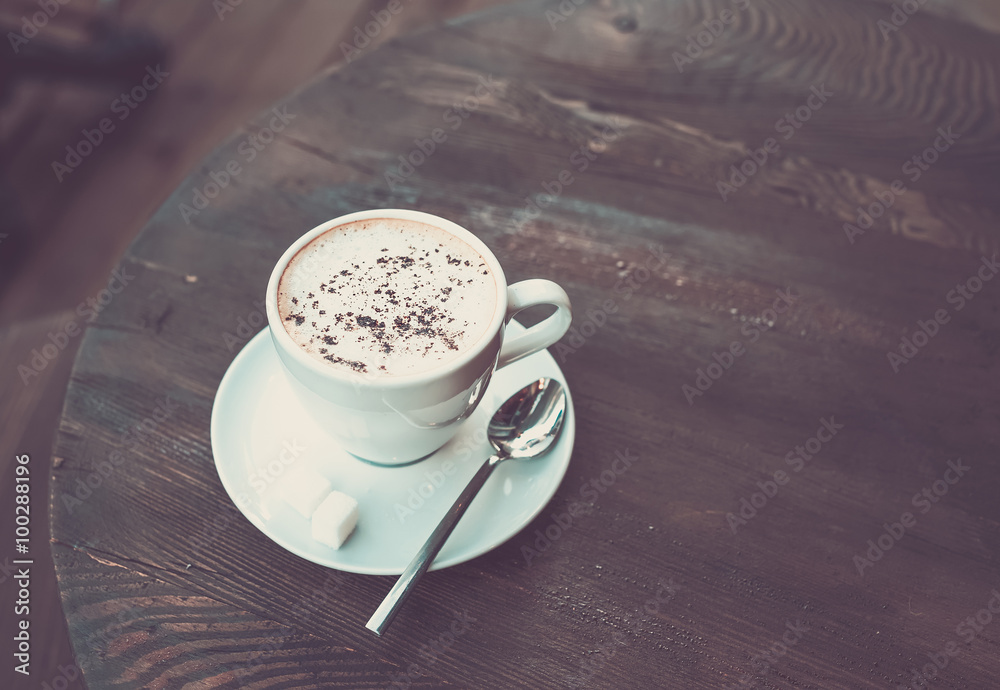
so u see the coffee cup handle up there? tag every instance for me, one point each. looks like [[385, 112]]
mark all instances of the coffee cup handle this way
[[529, 293]]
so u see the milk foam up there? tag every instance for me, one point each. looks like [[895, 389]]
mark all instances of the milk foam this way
[[386, 297]]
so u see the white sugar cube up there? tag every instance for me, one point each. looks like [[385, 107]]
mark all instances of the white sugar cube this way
[[304, 489], [334, 520]]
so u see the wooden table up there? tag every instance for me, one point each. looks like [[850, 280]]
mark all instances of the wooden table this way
[[770, 530]]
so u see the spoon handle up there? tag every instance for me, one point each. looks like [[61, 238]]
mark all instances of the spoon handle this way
[[393, 601]]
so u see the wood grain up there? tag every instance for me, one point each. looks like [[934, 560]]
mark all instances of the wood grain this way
[[645, 245]]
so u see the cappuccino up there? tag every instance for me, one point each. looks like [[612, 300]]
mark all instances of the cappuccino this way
[[386, 297]]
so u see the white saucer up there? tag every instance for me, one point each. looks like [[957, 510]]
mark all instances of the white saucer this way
[[255, 415]]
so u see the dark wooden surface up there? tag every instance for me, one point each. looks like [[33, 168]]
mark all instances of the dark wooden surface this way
[[146, 607]]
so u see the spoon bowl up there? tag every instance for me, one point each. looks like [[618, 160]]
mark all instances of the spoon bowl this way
[[529, 422]]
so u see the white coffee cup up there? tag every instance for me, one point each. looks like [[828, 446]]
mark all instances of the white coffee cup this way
[[395, 420]]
